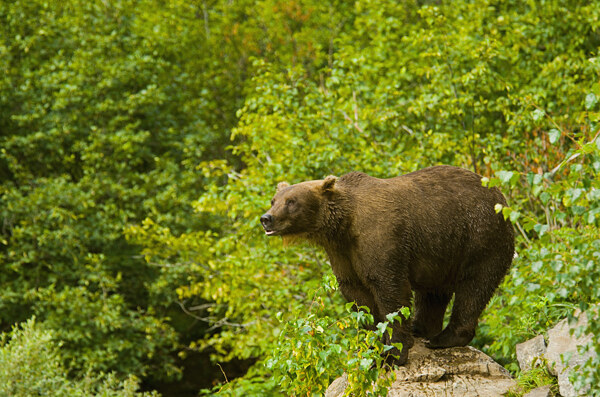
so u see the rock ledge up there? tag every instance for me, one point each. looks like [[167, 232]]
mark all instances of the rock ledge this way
[[457, 371]]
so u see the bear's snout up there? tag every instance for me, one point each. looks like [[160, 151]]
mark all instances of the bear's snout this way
[[267, 222]]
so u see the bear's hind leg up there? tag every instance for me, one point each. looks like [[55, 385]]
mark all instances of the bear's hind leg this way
[[430, 308], [460, 330], [471, 297]]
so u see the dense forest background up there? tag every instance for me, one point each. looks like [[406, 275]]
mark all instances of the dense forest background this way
[[140, 141]]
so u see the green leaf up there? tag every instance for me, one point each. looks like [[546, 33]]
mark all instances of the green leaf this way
[[537, 114], [405, 311], [391, 316], [508, 177], [337, 349], [365, 363], [590, 101], [536, 266], [545, 197], [554, 135], [381, 327]]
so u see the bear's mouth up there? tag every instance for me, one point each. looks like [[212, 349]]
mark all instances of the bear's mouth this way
[[270, 232]]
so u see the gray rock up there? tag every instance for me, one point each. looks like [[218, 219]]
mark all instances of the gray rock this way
[[458, 371], [337, 387], [562, 343], [528, 352], [543, 391]]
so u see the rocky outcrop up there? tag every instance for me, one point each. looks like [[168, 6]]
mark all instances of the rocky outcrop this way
[[543, 391], [563, 341], [530, 352], [465, 371], [457, 371]]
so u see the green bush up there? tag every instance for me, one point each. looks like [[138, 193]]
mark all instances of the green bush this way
[[315, 349], [31, 365]]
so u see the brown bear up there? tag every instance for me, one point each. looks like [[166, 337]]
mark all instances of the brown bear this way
[[433, 231]]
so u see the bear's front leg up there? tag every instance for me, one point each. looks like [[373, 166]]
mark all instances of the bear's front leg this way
[[391, 295], [355, 291]]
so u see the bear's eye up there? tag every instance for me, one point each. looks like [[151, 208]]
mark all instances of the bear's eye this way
[[272, 202], [290, 202]]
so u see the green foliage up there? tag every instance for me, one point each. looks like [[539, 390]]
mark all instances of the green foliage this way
[[30, 365], [538, 376], [314, 350], [101, 135]]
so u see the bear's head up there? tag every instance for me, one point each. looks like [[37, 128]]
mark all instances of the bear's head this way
[[296, 210]]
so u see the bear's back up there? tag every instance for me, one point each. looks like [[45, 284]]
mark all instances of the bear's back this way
[[440, 211]]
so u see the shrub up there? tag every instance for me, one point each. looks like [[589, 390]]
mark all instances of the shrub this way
[[31, 365]]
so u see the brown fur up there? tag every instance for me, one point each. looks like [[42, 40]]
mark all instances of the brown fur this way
[[434, 232]]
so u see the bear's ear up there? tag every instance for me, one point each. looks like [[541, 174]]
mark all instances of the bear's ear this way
[[329, 183], [282, 185]]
